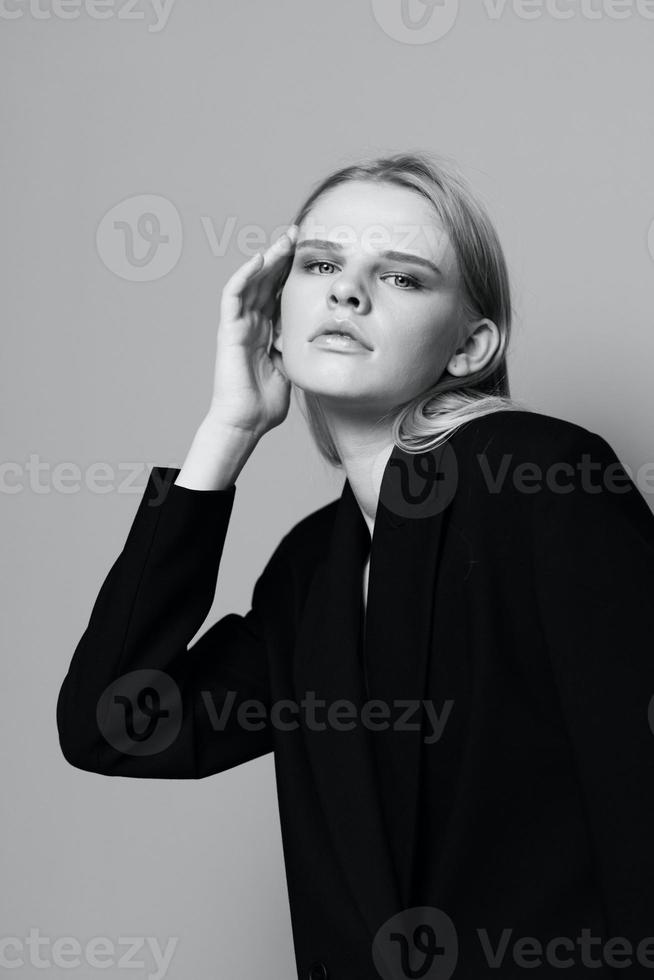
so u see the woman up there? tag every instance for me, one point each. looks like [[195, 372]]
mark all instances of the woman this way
[[451, 662]]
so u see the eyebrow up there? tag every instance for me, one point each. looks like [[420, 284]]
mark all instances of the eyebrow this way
[[322, 243]]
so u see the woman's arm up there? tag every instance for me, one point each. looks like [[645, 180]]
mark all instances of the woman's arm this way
[[136, 701], [594, 567]]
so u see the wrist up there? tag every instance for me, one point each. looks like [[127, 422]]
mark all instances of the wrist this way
[[216, 457], [213, 427]]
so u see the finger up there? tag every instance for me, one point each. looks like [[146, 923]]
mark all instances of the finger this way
[[277, 263], [233, 292], [275, 255]]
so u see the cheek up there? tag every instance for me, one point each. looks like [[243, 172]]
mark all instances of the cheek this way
[[419, 357], [422, 340], [287, 311], [286, 297], [292, 299]]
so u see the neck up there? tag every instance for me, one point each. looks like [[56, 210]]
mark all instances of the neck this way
[[364, 446]]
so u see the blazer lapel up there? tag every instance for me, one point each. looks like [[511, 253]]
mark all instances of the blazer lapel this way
[[376, 855], [415, 493], [328, 667]]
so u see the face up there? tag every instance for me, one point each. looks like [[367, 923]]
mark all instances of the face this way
[[407, 306]]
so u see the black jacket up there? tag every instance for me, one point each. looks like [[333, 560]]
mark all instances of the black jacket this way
[[509, 612]]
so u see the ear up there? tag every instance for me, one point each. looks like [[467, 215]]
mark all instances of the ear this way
[[482, 340]]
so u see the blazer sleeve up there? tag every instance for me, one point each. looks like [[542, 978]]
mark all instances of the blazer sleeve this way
[[137, 701], [594, 572]]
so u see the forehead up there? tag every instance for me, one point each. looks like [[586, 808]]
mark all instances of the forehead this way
[[371, 217]]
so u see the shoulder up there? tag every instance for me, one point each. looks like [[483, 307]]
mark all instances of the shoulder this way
[[515, 460], [526, 442], [526, 434]]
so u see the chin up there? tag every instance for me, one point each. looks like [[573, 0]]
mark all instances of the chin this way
[[321, 379], [337, 392]]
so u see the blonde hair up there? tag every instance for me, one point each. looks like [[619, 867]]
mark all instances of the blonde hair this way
[[432, 416]]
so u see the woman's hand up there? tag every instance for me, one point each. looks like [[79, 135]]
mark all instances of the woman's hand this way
[[251, 391]]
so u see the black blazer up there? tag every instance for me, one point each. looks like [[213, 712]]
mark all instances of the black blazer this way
[[517, 612]]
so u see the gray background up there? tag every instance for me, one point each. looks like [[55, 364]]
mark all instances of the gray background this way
[[231, 112]]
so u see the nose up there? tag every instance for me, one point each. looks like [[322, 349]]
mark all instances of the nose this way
[[348, 292]]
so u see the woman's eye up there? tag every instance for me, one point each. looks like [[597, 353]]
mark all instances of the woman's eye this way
[[409, 279], [310, 265]]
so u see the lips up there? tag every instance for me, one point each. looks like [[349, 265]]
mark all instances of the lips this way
[[342, 325]]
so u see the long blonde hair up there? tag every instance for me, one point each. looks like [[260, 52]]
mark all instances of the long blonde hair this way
[[430, 417]]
